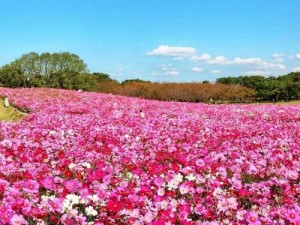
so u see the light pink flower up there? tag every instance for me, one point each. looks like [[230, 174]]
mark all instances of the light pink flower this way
[[18, 220]]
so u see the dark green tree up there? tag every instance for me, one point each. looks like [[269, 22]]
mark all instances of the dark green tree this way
[[53, 70]]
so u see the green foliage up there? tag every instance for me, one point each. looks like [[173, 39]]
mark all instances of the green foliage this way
[[101, 76], [271, 88], [59, 70], [11, 77], [135, 80]]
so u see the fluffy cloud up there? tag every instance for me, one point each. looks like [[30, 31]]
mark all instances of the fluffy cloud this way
[[169, 70], [203, 57], [255, 65], [218, 60], [278, 60], [296, 56], [245, 61], [268, 65], [277, 55], [197, 69], [166, 50]]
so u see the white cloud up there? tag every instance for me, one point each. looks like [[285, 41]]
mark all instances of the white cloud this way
[[272, 65], [277, 55], [244, 61], [215, 71], [278, 60], [169, 70], [179, 58], [203, 57], [296, 56], [257, 63], [296, 69], [197, 69], [175, 51], [254, 64], [218, 60]]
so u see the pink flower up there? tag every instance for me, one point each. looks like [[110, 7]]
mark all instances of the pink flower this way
[[293, 216], [56, 204], [252, 218], [48, 183], [18, 220], [72, 185], [5, 214], [31, 186]]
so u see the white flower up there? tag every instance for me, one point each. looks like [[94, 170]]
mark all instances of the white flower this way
[[70, 132], [173, 184], [129, 175], [183, 189], [134, 213], [94, 198], [217, 192], [74, 198], [46, 198], [190, 177], [163, 204], [66, 205], [179, 177], [90, 211], [86, 164], [52, 132], [207, 176], [71, 166]]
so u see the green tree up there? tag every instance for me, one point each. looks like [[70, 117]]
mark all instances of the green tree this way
[[46, 69], [10, 77]]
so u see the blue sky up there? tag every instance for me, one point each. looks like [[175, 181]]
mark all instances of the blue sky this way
[[158, 40]]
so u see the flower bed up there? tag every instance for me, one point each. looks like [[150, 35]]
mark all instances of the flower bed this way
[[87, 158]]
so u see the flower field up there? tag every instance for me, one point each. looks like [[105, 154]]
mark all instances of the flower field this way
[[87, 158]]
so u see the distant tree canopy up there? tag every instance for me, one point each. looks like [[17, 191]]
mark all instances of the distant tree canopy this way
[[62, 70], [134, 80], [284, 87]]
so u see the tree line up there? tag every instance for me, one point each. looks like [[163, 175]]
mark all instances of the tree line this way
[[285, 87], [68, 71], [183, 92]]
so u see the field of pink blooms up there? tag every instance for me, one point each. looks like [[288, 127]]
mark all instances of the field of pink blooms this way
[[88, 158]]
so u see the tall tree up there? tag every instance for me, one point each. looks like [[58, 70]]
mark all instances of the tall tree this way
[[53, 70]]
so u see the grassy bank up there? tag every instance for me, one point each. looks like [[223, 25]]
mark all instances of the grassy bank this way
[[10, 113]]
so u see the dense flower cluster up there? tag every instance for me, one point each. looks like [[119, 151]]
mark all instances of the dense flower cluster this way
[[87, 158]]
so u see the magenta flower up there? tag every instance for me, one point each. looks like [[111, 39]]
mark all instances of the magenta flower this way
[[293, 216], [56, 204], [72, 185], [48, 183], [31, 186], [183, 163], [252, 218]]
